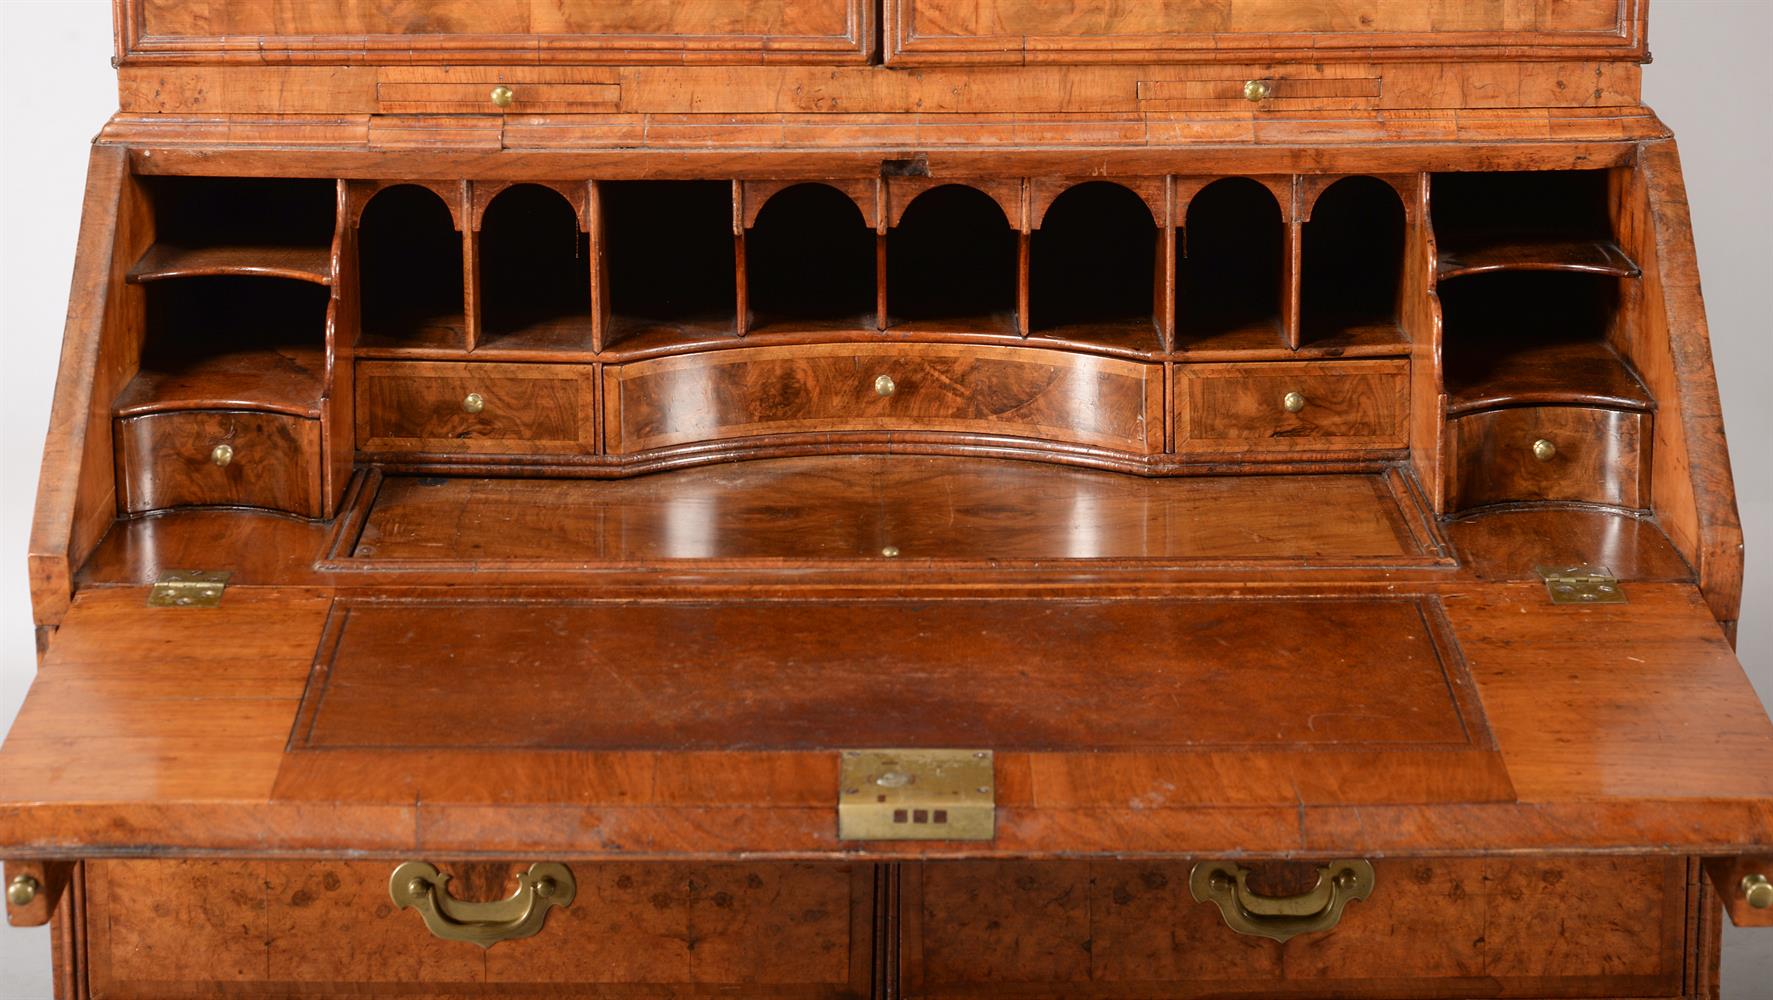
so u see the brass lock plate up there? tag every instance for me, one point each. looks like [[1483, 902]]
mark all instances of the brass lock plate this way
[[917, 795]]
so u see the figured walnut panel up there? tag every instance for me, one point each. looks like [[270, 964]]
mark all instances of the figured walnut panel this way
[[1454, 927], [1068, 398], [852, 507], [166, 460], [422, 407], [565, 31], [1349, 407], [1018, 31], [168, 929], [1601, 456]]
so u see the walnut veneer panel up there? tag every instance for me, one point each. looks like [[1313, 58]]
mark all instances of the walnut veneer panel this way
[[166, 460], [1349, 407], [1600, 456], [857, 507], [1621, 728], [497, 31], [1444, 927], [722, 395], [422, 407], [1017, 31], [935, 674], [275, 928]]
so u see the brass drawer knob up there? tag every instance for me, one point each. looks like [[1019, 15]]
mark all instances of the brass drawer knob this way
[[503, 96], [884, 385], [1256, 91], [1544, 450], [22, 890], [1225, 884], [1293, 402], [422, 887], [221, 455], [1758, 890], [474, 402]]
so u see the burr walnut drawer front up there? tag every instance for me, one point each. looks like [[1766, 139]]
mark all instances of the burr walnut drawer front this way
[[446, 408], [885, 390], [174, 929], [1292, 408], [229, 458], [1550, 453], [1447, 927]]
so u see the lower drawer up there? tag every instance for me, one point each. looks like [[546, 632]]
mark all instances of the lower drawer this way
[[1467, 928], [168, 929], [1071, 399], [229, 458]]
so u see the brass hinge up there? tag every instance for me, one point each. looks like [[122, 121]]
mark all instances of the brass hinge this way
[[1582, 585], [917, 795], [188, 588]]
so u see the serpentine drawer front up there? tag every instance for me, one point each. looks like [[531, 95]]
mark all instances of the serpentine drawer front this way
[[229, 458], [1072, 399], [1532, 453]]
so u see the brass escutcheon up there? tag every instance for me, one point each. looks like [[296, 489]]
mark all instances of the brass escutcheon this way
[[422, 887], [1280, 918], [1544, 450], [503, 96]]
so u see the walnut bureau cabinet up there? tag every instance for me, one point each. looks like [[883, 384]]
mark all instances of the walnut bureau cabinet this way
[[878, 499]]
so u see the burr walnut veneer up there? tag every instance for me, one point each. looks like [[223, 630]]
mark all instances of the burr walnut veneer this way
[[886, 499]]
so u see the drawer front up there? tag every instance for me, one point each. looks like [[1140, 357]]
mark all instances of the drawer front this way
[[233, 458], [1341, 407], [470, 32], [1022, 31], [1595, 456], [1539, 927], [169, 929], [441, 408], [1071, 399]]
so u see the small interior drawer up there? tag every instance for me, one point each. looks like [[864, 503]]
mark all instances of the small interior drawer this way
[[232, 458], [1445, 927], [1292, 408], [1071, 399], [1550, 453], [475, 409], [169, 929]]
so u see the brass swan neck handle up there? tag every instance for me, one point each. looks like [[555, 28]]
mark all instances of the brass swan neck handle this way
[[1280, 918], [420, 886]]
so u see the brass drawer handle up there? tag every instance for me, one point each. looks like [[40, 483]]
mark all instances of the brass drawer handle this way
[[474, 402], [422, 887], [1280, 918], [503, 96], [1544, 450], [1293, 402], [1256, 91], [221, 455], [885, 386]]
